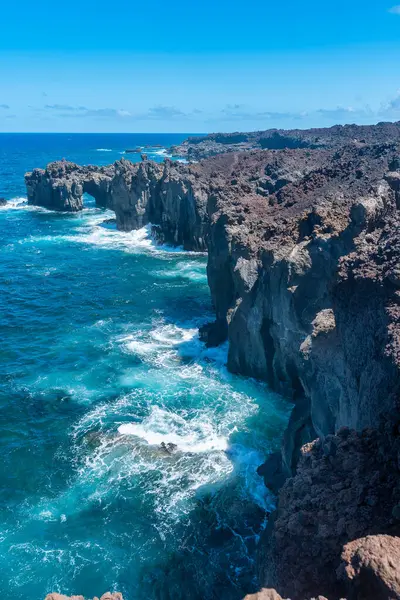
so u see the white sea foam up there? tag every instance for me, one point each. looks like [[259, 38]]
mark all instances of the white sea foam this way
[[161, 347], [186, 269], [21, 203], [197, 435], [133, 242], [103, 149]]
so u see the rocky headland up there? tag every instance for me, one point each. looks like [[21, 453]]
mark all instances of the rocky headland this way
[[304, 271], [198, 147]]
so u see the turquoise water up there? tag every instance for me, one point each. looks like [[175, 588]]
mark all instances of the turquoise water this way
[[100, 363]]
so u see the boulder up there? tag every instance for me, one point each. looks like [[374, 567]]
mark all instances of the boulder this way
[[371, 568]]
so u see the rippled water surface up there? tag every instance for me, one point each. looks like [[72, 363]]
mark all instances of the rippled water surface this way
[[100, 364]]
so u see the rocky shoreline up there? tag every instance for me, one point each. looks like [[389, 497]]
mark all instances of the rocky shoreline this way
[[303, 266], [200, 147]]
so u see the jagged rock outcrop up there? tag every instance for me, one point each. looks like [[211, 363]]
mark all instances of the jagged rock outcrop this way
[[370, 567], [62, 184], [305, 281], [200, 147], [304, 284], [346, 486], [171, 196]]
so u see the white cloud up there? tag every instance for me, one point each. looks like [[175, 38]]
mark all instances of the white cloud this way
[[395, 10]]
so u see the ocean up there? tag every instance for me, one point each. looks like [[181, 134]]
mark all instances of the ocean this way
[[101, 364]]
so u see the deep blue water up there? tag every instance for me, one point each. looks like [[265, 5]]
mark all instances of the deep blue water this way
[[100, 363]]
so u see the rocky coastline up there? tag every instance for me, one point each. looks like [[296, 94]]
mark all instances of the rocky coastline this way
[[199, 147], [303, 244]]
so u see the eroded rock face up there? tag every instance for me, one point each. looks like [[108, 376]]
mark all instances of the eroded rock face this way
[[171, 196], [270, 594], [62, 184], [305, 285], [200, 147], [346, 486], [371, 568]]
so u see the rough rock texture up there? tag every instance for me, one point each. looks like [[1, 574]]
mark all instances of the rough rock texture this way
[[303, 268], [304, 282], [264, 594], [106, 596], [199, 147], [170, 196], [371, 567], [61, 185], [346, 486]]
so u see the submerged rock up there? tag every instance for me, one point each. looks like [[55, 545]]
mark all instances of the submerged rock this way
[[168, 448], [3, 201]]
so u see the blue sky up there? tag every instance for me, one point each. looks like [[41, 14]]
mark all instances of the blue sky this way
[[201, 66]]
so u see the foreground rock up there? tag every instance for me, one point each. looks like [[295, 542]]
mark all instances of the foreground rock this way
[[346, 486], [370, 567]]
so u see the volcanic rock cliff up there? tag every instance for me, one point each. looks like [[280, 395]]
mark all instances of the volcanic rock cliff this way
[[199, 147], [303, 267], [169, 196]]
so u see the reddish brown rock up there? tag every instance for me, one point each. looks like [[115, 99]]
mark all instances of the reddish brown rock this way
[[371, 568], [347, 486], [264, 594]]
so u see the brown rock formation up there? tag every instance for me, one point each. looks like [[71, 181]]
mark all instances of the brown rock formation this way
[[371, 568], [264, 594], [200, 147], [346, 486], [270, 594]]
